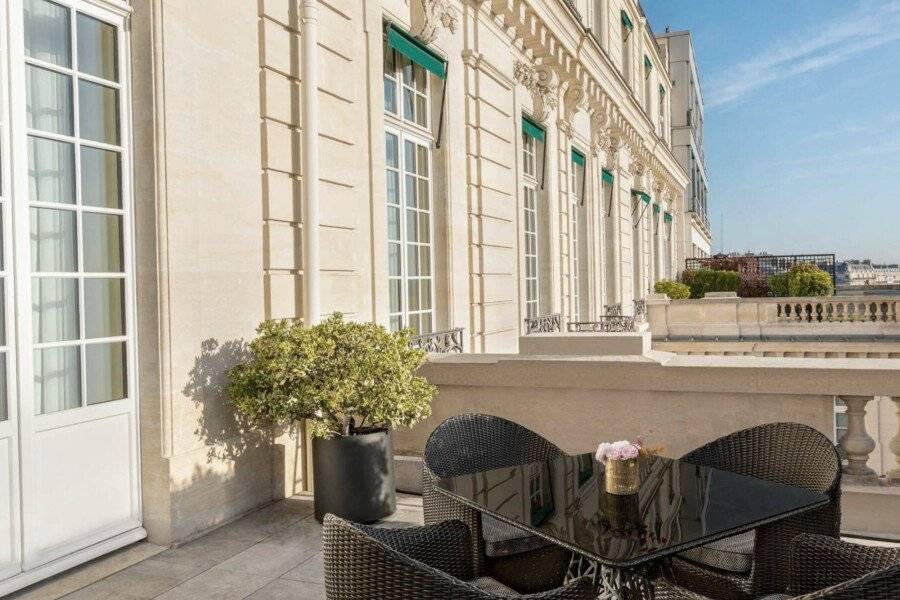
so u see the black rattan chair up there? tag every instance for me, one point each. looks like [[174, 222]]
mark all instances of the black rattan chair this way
[[434, 562], [823, 568], [788, 453], [474, 442]]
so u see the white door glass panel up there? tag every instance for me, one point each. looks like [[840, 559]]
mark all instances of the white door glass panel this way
[[101, 182], [49, 100], [98, 114], [57, 379], [104, 308], [47, 35], [54, 308], [51, 171], [97, 51], [53, 241], [105, 372], [103, 252]]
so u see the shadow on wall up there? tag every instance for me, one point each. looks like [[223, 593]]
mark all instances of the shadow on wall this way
[[227, 434]]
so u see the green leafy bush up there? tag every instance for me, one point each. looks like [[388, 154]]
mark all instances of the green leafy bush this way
[[701, 281], [804, 279], [672, 289], [339, 374]]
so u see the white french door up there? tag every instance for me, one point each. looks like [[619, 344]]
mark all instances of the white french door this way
[[71, 424]]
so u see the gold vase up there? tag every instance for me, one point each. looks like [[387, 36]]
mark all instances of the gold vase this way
[[622, 476]]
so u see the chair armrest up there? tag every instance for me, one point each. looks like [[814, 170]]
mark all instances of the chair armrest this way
[[445, 546], [819, 562]]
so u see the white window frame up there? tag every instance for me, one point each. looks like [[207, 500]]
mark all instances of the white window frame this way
[[531, 228], [400, 85], [575, 257]]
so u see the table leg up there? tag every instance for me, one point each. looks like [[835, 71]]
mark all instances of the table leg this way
[[612, 583]]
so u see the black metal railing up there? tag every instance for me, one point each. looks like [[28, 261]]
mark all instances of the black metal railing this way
[[770, 264], [442, 342], [543, 324]]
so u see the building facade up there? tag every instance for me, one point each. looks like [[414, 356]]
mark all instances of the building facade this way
[[694, 234], [865, 272], [170, 180]]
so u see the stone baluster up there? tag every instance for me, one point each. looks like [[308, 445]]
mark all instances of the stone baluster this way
[[894, 474], [857, 444]]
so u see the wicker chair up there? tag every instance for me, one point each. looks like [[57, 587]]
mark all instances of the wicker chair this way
[[823, 568], [434, 562], [788, 453], [474, 442]]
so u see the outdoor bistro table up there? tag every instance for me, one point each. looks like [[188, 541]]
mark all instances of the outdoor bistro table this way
[[624, 541]]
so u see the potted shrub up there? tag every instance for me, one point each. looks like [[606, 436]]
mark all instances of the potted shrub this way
[[804, 279], [353, 382], [675, 290]]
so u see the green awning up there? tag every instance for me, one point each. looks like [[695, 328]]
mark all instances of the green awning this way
[[656, 207], [667, 217], [577, 157], [648, 64], [642, 195], [626, 21], [662, 91], [607, 176], [532, 129], [416, 51]]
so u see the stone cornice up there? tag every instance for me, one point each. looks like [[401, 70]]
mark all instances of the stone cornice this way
[[555, 38]]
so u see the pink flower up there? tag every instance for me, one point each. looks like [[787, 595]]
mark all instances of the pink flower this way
[[621, 450]]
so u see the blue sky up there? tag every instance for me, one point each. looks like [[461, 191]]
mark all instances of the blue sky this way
[[802, 130]]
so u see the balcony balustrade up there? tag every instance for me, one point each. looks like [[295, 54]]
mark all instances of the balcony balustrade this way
[[441, 342], [544, 324], [837, 310]]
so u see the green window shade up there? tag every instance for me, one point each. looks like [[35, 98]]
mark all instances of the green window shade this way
[[656, 207], [532, 129], [607, 176], [577, 157], [416, 51], [667, 217], [642, 195], [626, 21], [647, 63]]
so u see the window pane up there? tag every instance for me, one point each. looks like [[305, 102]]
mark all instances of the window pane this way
[[54, 309], [104, 307], [100, 178], [425, 293], [410, 190], [97, 52], [412, 260], [4, 413], [393, 187], [391, 151], [408, 103], [412, 297], [51, 171], [396, 291], [47, 33], [393, 223], [105, 372], [422, 161], [102, 241], [53, 241], [57, 379], [422, 193], [98, 115], [49, 100], [2, 313], [421, 112], [425, 260], [411, 232], [394, 260]]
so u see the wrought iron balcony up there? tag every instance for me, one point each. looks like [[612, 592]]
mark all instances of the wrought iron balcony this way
[[441, 342], [544, 324]]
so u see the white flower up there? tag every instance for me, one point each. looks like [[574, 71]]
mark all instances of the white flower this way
[[621, 450]]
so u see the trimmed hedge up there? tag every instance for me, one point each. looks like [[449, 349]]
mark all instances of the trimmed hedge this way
[[805, 279], [701, 281], [672, 289]]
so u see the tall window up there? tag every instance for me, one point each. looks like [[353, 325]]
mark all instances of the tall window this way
[[607, 182], [661, 114], [648, 86], [576, 258], [532, 153], [4, 224], [409, 145], [627, 27], [77, 207]]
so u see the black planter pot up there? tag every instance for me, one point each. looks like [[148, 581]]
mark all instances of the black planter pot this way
[[354, 476]]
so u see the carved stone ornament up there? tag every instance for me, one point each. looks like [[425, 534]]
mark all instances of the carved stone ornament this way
[[541, 83], [574, 101], [436, 13]]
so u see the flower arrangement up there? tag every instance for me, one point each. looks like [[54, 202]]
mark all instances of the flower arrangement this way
[[621, 460], [625, 450]]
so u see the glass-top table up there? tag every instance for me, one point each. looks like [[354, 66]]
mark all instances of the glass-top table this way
[[678, 506]]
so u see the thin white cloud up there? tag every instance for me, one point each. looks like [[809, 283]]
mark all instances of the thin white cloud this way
[[868, 27]]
